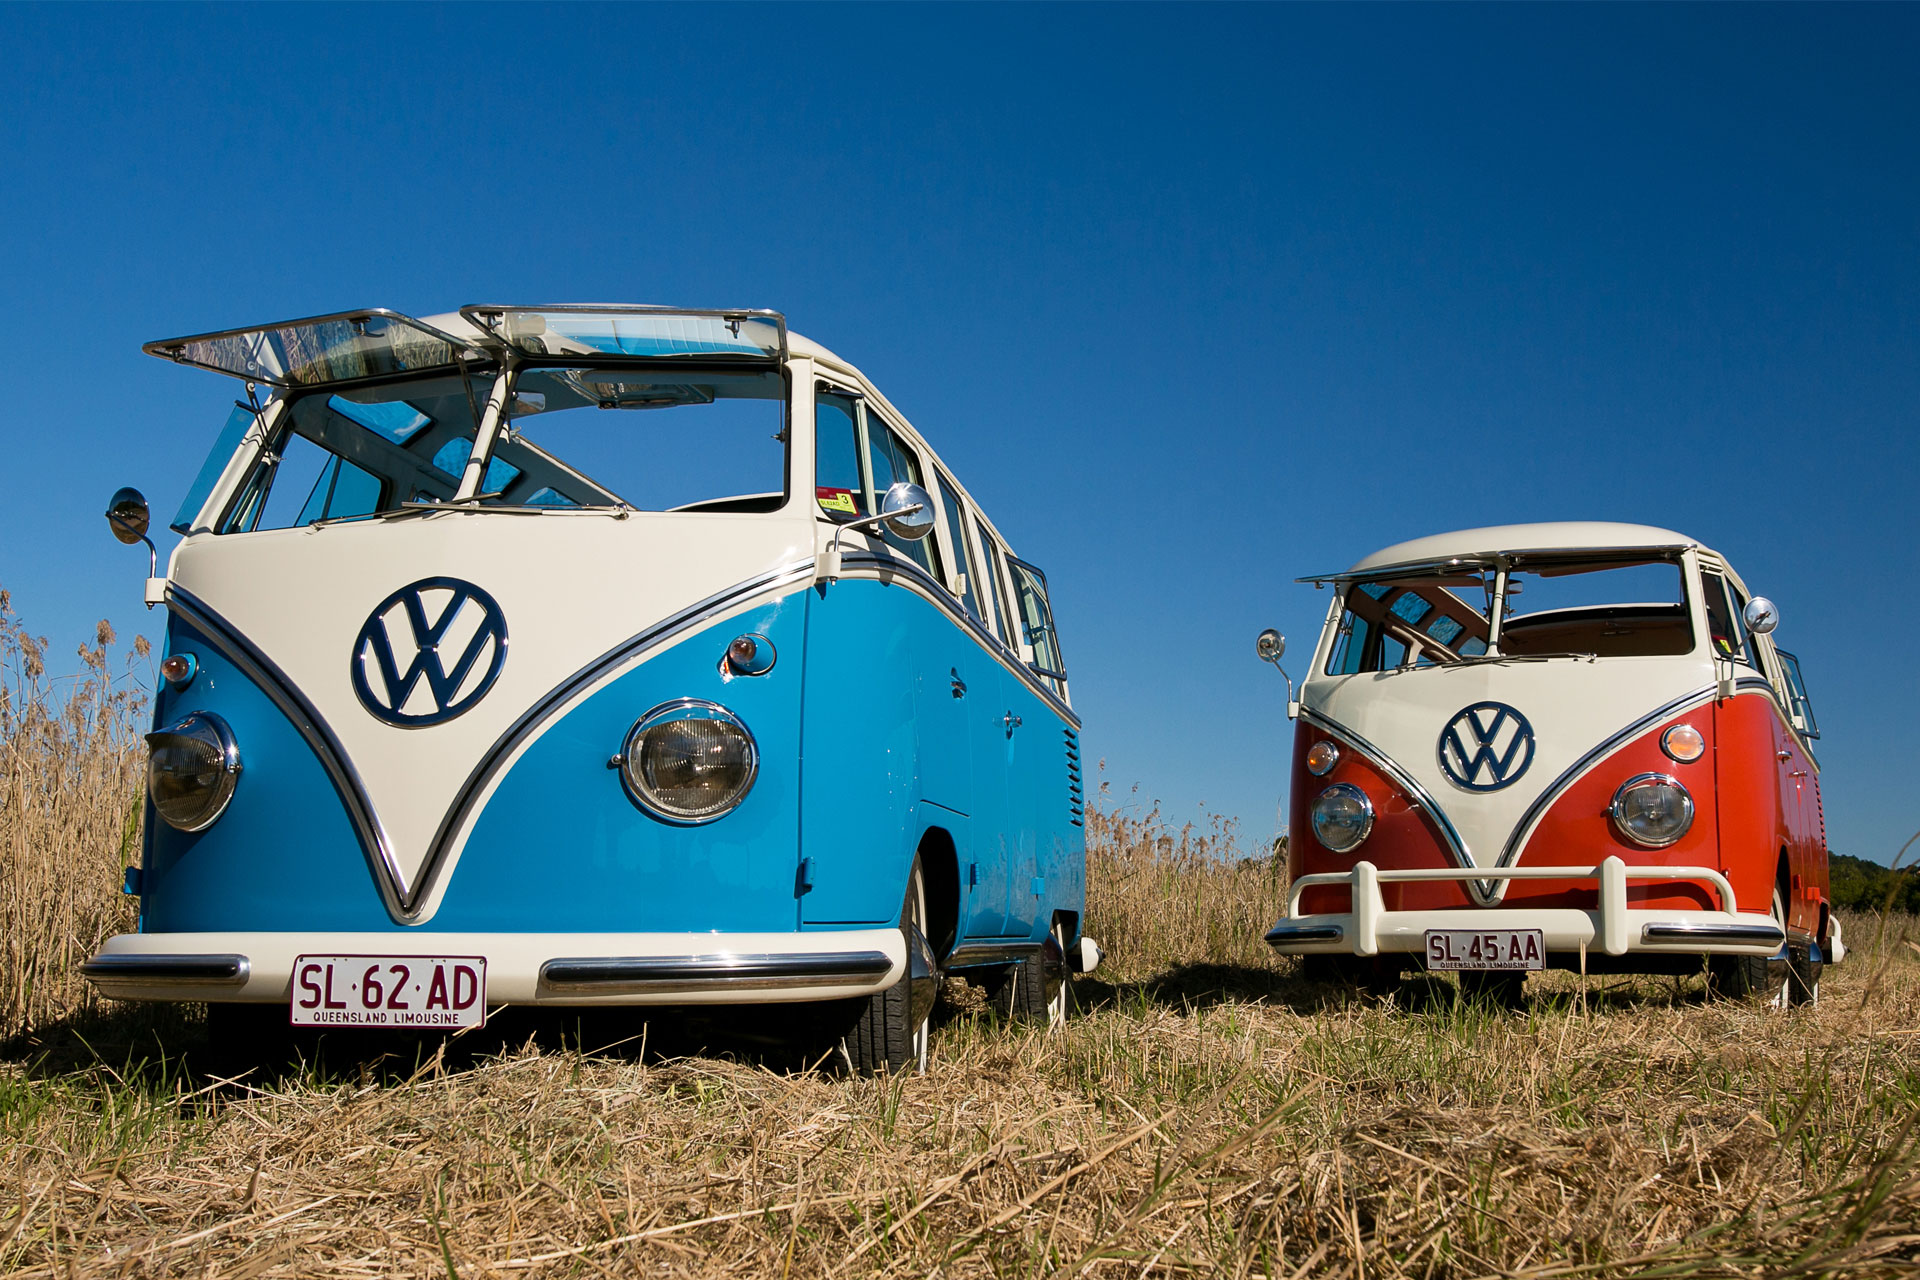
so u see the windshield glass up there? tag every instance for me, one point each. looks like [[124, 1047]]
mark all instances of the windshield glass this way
[[1552, 608], [649, 439], [347, 454]]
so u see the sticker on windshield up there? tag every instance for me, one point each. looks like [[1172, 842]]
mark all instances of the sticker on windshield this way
[[840, 500]]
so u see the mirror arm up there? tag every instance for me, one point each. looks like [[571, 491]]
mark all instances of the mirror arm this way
[[831, 567], [1293, 704]]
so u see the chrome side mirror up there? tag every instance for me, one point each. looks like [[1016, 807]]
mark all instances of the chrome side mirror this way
[[1270, 646], [907, 511], [127, 516], [1761, 615]]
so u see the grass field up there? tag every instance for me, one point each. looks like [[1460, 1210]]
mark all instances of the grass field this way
[[1207, 1113]]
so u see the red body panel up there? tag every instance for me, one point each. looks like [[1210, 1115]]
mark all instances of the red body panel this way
[[1756, 802]]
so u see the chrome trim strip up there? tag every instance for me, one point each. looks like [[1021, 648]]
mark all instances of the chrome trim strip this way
[[1523, 829], [266, 675], [1456, 844], [969, 955], [1283, 933], [1681, 933], [171, 971], [556, 699], [942, 599], [611, 974]]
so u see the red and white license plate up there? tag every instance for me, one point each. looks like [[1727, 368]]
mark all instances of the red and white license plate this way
[[1486, 949], [425, 992]]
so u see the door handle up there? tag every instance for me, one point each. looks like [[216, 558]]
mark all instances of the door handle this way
[[1783, 755], [1012, 722], [959, 685]]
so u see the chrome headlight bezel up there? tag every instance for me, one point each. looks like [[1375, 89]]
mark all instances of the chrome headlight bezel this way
[[633, 765], [1342, 791], [207, 734], [1617, 811]]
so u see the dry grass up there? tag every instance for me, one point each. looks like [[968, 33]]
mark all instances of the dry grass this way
[[70, 776], [1207, 1114]]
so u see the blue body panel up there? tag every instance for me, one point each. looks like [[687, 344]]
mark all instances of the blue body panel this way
[[883, 718], [283, 855]]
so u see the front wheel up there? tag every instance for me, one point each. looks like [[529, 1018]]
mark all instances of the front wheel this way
[[895, 1025], [1774, 980]]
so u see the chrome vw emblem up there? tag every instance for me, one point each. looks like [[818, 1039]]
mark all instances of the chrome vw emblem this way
[[1486, 746], [451, 638]]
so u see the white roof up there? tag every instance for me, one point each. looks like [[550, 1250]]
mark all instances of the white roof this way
[[1565, 535]]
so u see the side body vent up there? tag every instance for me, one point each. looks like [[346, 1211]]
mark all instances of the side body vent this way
[[1076, 792]]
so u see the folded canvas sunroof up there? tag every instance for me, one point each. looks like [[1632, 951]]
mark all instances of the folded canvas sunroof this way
[[349, 346], [644, 332]]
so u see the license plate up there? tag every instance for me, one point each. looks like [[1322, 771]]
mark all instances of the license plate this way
[[390, 991], [1486, 949]]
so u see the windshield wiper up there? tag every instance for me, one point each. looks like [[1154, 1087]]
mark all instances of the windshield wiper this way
[[1527, 657]]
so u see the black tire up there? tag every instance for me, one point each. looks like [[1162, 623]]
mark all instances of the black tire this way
[[1039, 989], [895, 1025], [1762, 978], [1502, 988]]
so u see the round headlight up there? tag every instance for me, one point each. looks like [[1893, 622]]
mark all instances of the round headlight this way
[[1342, 817], [689, 761], [1652, 809], [1684, 743], [1321, 757], [192, 768]]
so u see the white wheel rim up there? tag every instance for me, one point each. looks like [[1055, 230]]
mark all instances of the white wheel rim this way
[[1057, 1006], [923, 1033]]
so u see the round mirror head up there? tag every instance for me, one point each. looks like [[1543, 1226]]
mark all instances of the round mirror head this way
[[908, 511], [127, 515], [1270, 645], [1761, 615]]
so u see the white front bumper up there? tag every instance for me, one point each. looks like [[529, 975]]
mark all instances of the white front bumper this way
[[1613, 929], [522, 968]]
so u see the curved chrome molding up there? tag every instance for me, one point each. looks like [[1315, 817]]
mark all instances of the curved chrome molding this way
[[1680, 934], [375, 844], [562, 695], [1283, 933], [168, 971], [1523, 829], [938, 596], [1380, 760], [608, 975], [973, 955]]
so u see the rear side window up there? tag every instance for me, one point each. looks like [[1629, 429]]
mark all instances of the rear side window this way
[[891, 462], [1035, 615], [989, 569]]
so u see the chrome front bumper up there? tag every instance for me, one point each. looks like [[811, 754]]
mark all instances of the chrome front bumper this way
[[1614, 929], [522, 968]]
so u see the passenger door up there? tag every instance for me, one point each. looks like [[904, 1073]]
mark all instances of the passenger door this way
[[1036, 756], [996, 829]]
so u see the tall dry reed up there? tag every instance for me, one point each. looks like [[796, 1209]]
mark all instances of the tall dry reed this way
[[70, 788], [1158, 897]]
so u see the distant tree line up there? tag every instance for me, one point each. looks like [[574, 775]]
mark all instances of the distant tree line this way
[[1859, 885]]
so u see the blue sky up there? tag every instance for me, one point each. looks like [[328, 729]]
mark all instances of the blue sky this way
[[1195, 300]]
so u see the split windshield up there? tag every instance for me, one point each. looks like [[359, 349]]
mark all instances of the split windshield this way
[[621, 439], [1549, 608]]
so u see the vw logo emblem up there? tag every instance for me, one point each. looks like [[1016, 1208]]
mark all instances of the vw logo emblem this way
[[1486, 746], [428, 652]]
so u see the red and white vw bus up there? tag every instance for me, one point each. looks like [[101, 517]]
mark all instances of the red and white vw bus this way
[[1555, 745]]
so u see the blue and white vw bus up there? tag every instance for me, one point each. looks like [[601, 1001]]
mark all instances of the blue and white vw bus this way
[[577, 655]]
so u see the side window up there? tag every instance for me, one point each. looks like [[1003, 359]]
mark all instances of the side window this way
[[1036, 618], [989, 569], [1725, 630], [838, 488], [957, 542], [1349, 652], [891, 461], [302, 483], [1797, 693]]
